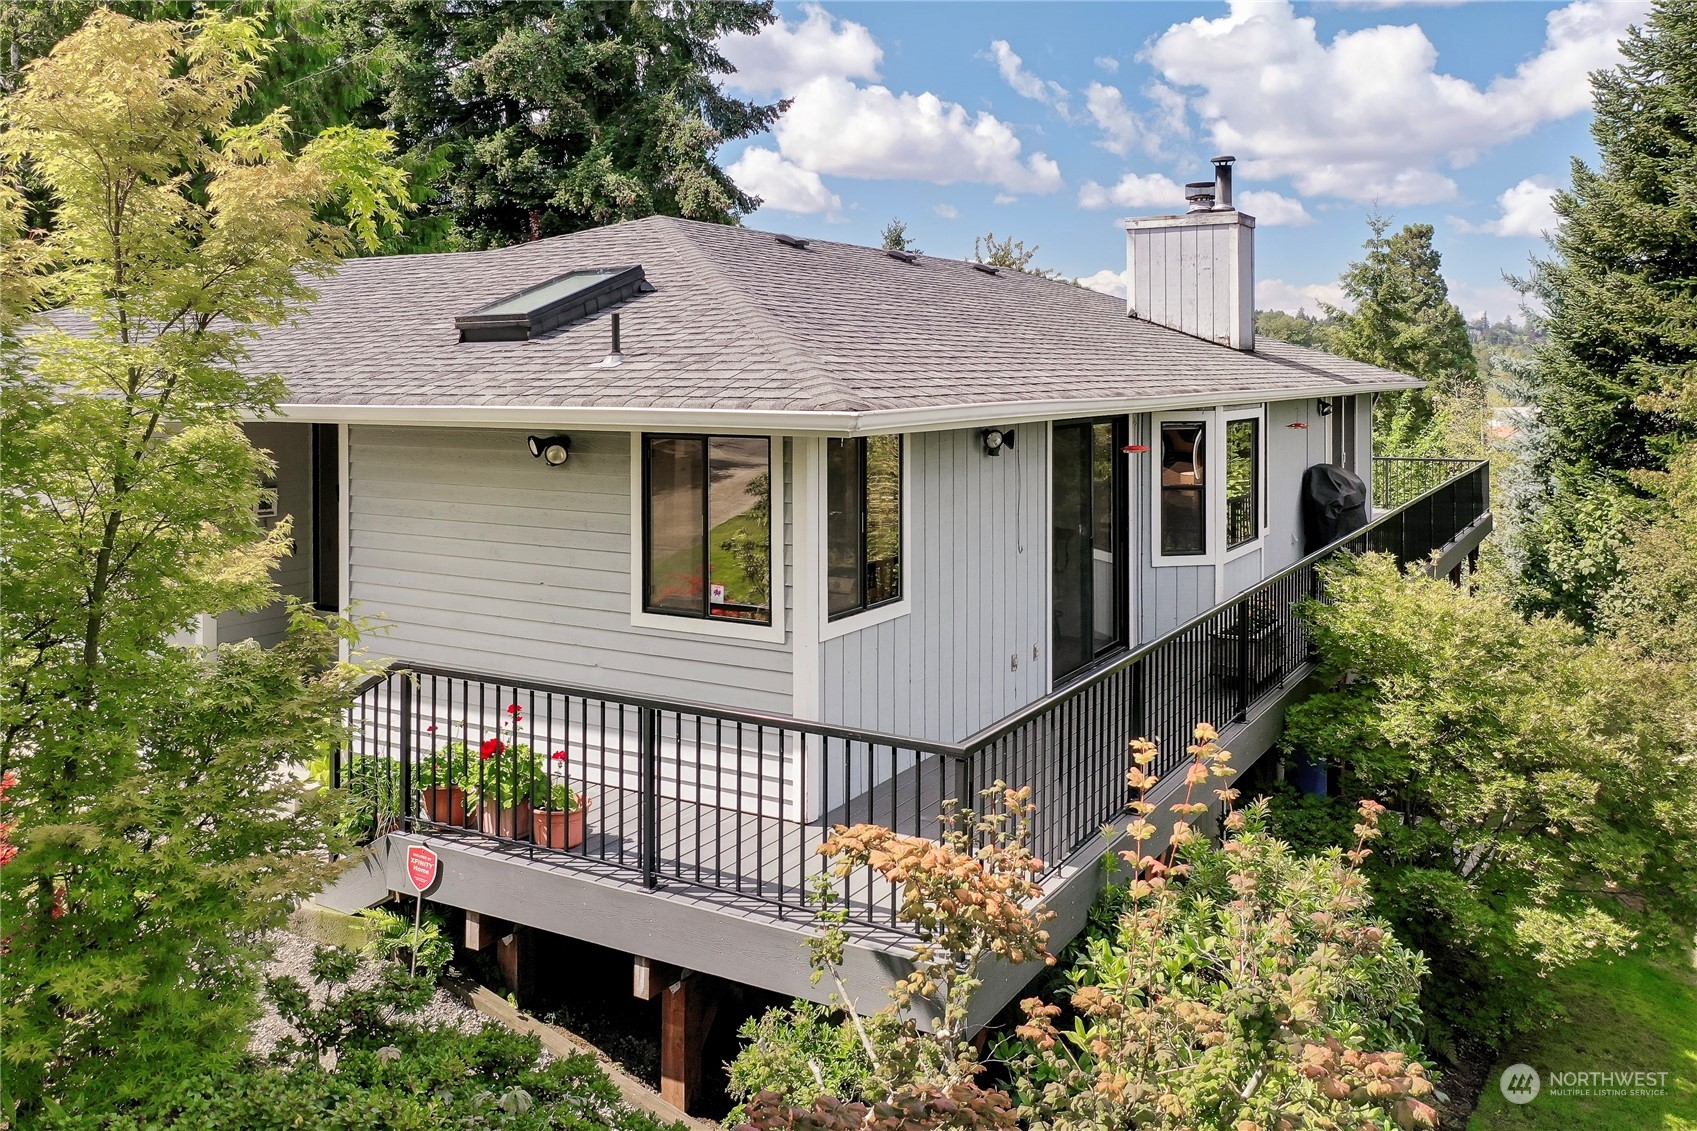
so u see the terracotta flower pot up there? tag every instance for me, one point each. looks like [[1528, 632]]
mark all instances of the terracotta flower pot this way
[[559, 829], [513, 823], [445, 805]]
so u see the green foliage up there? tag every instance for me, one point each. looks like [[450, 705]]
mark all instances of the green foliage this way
[[801, 1052], [1651, 603], [360, 1062], [553, 117], [1238, 985], [1301, 328], [1541, 785], [160, 831], [895, 237], [1010, 254], [1403, 320], [397, 941]]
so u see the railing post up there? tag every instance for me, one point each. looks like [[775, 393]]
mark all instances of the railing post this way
[[1243, 680], [963, 782], [650, 784], [1139, 701], [406, 725]]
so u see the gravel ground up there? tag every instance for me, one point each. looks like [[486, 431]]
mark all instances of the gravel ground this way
[[294, 955]]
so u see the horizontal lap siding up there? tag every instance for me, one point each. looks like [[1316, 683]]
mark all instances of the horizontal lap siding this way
[[476, 556], [980, 597]]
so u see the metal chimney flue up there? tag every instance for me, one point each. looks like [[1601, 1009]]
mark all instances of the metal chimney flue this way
[[1223, 181], [1199, 195]]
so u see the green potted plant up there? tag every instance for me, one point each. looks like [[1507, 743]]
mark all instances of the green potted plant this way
[[557, 811], [502, 779], [445, 776]]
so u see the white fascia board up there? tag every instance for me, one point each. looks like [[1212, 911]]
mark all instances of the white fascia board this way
[[797, 422]]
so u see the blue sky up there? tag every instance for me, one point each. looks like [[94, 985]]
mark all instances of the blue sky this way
[[1051, 121]]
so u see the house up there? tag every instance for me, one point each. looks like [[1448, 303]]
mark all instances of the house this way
[[760, 534]]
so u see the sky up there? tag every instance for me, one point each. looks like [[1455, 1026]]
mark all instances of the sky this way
[[1050, 122]]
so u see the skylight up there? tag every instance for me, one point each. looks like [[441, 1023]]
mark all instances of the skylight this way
[[552, 303]]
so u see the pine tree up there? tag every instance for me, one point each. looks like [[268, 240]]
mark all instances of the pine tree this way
[[558, 116], [1617, 383], [1404, 320]]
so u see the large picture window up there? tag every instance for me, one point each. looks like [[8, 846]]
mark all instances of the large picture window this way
[[1243, 482], [707, 527], [1184, 487], [863, 486]]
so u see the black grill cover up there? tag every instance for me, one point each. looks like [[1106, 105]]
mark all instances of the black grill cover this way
[[1334, 502]]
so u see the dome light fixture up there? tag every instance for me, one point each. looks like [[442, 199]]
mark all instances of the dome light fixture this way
[[551, 450], [996, 439]]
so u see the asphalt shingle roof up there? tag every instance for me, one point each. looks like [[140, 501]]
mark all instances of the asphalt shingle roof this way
[[740, 321]]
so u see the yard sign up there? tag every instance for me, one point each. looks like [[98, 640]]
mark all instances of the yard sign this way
[[421, 870]]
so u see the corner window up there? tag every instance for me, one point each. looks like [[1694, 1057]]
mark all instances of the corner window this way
[[1184, 511], [863, 486], [707, 527], [1243, 482]]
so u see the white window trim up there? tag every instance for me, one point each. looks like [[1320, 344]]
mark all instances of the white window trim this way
[[704, 626], [866, 618], [1214, 485]]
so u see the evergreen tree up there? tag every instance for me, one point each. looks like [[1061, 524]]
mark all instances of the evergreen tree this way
[[558, 116], [1010, 254], [1301, 328], [1404, 320], [1617, 383]]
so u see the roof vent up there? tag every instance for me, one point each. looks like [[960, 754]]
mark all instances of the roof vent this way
[[984, 267], [904, 256], [536, 310], [791, 241], [1200, 196]]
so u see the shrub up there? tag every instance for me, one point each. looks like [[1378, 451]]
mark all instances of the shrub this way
[[397, 941], [801, 1052]]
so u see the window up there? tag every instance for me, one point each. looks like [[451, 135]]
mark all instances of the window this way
[[863, 486], [1184, 511], [707, 527], [1243, 482], [326, 517]]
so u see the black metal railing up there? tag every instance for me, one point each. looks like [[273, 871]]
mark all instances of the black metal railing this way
[[663, 791], [1401, 479]]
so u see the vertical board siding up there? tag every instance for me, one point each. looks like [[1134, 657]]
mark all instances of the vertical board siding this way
[[1170, 595], [478, 557], [290, 446], [979, 597]]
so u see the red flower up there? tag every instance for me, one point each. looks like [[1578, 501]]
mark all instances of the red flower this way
[[513, 710], [431, 729], [558, 755], [491, 747]]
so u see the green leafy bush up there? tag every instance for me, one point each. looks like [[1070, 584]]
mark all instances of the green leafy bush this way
[[800, 1051], [397, 941]]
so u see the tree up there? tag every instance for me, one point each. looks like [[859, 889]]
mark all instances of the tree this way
[[1301, 328], [1539, 787], [154, 833], [1403, 320], [1010, 254], [1617, 384], [554, 117], [895, 237]]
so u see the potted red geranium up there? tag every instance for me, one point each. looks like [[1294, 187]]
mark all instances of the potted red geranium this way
[[557, 811], [502, 780]]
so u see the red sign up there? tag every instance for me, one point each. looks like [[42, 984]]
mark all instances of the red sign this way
[[421, 866]]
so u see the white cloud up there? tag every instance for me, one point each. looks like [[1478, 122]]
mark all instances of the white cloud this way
[[1108, 281], [1273, 210], [1368, 116], [785, 55], [782, 184], [1276, 294], [839, 128], [1149, 190], [1005, 198], [1527, 210], [1107, 63], [947, 211], [1120, 127], [1026, 84]]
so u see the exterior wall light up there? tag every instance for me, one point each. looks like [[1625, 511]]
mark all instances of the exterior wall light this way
[[1325, 406], [552, 450], [995, 439]]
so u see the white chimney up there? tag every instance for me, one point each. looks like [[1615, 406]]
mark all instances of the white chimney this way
[[1196, 272]]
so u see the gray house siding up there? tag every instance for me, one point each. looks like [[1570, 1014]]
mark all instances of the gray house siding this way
[[478, 557], [973, 647], [290, 446]]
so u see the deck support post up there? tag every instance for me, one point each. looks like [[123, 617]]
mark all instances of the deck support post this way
[[484, 931], [516, 955], [649, 978], [687, 1008]]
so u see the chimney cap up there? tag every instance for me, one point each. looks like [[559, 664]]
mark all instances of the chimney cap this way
[[1225, 159]]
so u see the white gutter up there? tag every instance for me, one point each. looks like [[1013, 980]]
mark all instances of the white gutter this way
[[627, 418]]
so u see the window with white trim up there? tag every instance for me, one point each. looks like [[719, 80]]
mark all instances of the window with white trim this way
[[707, 527], [1184, 488], [1243, 481], [863, 526]]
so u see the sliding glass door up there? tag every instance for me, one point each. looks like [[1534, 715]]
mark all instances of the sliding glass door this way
[[1089, 556]]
